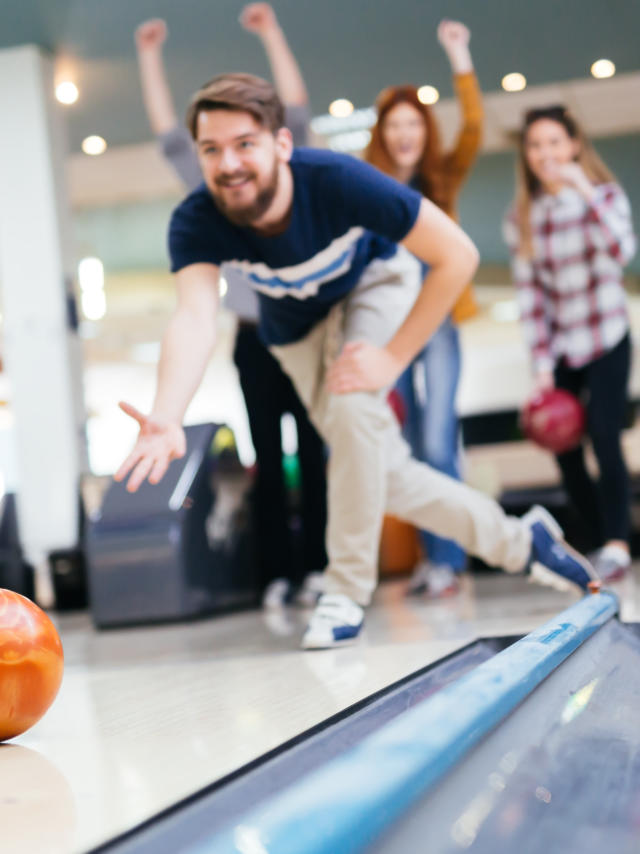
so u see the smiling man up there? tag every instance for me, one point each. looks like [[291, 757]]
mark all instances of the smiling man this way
[[323, 239]]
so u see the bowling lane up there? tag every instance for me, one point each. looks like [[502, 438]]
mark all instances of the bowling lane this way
[[560, 774], [148, 716]]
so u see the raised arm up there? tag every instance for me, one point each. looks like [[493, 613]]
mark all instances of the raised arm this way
[[174, 139], [150, 37], [452, 260], [259, 18], [186, 348], [454, 38]]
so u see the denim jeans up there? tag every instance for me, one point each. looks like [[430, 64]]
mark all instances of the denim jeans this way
[[428, 389]]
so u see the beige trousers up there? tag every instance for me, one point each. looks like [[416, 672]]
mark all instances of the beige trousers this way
[[371, 471]]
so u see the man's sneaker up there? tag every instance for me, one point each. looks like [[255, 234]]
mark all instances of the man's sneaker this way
[[612, 563], [311, 590], [336, 621], [553, 562], [276, 594]]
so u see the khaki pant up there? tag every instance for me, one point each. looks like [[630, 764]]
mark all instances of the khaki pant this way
[[371, 471]]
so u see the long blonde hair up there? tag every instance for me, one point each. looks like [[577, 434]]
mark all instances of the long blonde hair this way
[[528, 186]]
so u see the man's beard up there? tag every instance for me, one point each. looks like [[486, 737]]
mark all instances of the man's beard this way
[[249, 214]]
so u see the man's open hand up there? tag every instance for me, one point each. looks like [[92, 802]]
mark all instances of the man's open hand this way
[[159, 442]]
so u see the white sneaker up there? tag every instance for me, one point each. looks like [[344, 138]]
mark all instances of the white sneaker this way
[[419, 581], [275, 594], [612, 563], [336, 621], [442, 582], [435, 580], [311, 590]]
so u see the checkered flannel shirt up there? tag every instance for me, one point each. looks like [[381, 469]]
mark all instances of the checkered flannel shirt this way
[[571, 293]]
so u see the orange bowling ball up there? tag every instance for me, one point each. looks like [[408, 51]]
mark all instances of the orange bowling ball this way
[[31, 663]]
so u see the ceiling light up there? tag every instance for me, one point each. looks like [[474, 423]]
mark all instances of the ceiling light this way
[[93, 145], [603, 68], [514, 82], [428, 95], [91, 274], [67, 92], [341, 108]]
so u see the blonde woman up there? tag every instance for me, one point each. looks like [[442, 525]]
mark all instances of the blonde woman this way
[[570, 233]]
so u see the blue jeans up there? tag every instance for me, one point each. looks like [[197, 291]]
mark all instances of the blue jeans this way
[[428, 388]]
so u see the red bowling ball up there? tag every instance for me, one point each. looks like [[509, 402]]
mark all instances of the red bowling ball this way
[[554, 419], [31, 663]]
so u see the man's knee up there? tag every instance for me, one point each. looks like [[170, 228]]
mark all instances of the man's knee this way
[[355, 410]]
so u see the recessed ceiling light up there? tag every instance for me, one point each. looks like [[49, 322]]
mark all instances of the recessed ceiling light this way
[[91, 274], [341, 108], [94, 145], [514, 82], [603, 68], [67, 92], [428, 95]]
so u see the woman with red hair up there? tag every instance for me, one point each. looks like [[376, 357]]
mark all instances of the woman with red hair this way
[[405, 144]]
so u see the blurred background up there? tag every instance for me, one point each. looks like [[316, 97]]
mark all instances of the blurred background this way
[[524, 54], [146, 718]]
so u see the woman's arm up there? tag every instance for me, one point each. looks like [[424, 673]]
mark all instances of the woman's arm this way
[[454, 38], [150, 37], [259, 18], [174, 139], [610, 211]]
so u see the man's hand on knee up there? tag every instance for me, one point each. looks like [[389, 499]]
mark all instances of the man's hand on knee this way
[[362, 367]]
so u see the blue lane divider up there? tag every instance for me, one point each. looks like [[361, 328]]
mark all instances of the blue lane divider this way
[[342, 807]]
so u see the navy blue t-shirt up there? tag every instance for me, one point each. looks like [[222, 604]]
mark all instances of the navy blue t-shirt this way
[[345, 214]]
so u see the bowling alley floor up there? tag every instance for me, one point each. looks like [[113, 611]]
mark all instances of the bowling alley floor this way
[[147, 716]]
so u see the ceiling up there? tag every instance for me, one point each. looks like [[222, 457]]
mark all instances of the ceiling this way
[[346, 48]]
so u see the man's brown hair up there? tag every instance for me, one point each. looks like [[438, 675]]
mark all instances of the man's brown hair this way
[[243, 92]]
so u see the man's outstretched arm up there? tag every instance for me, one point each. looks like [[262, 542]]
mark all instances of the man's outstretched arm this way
[[186, 348]]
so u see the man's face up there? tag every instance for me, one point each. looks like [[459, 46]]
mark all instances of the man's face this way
[[240, 162]]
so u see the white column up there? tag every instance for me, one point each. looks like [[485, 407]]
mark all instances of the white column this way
[[41, 349]]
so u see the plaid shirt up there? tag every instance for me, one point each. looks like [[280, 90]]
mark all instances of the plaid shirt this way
[[571, 294]]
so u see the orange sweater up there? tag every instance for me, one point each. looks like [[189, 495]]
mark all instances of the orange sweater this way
[[455, 166]]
